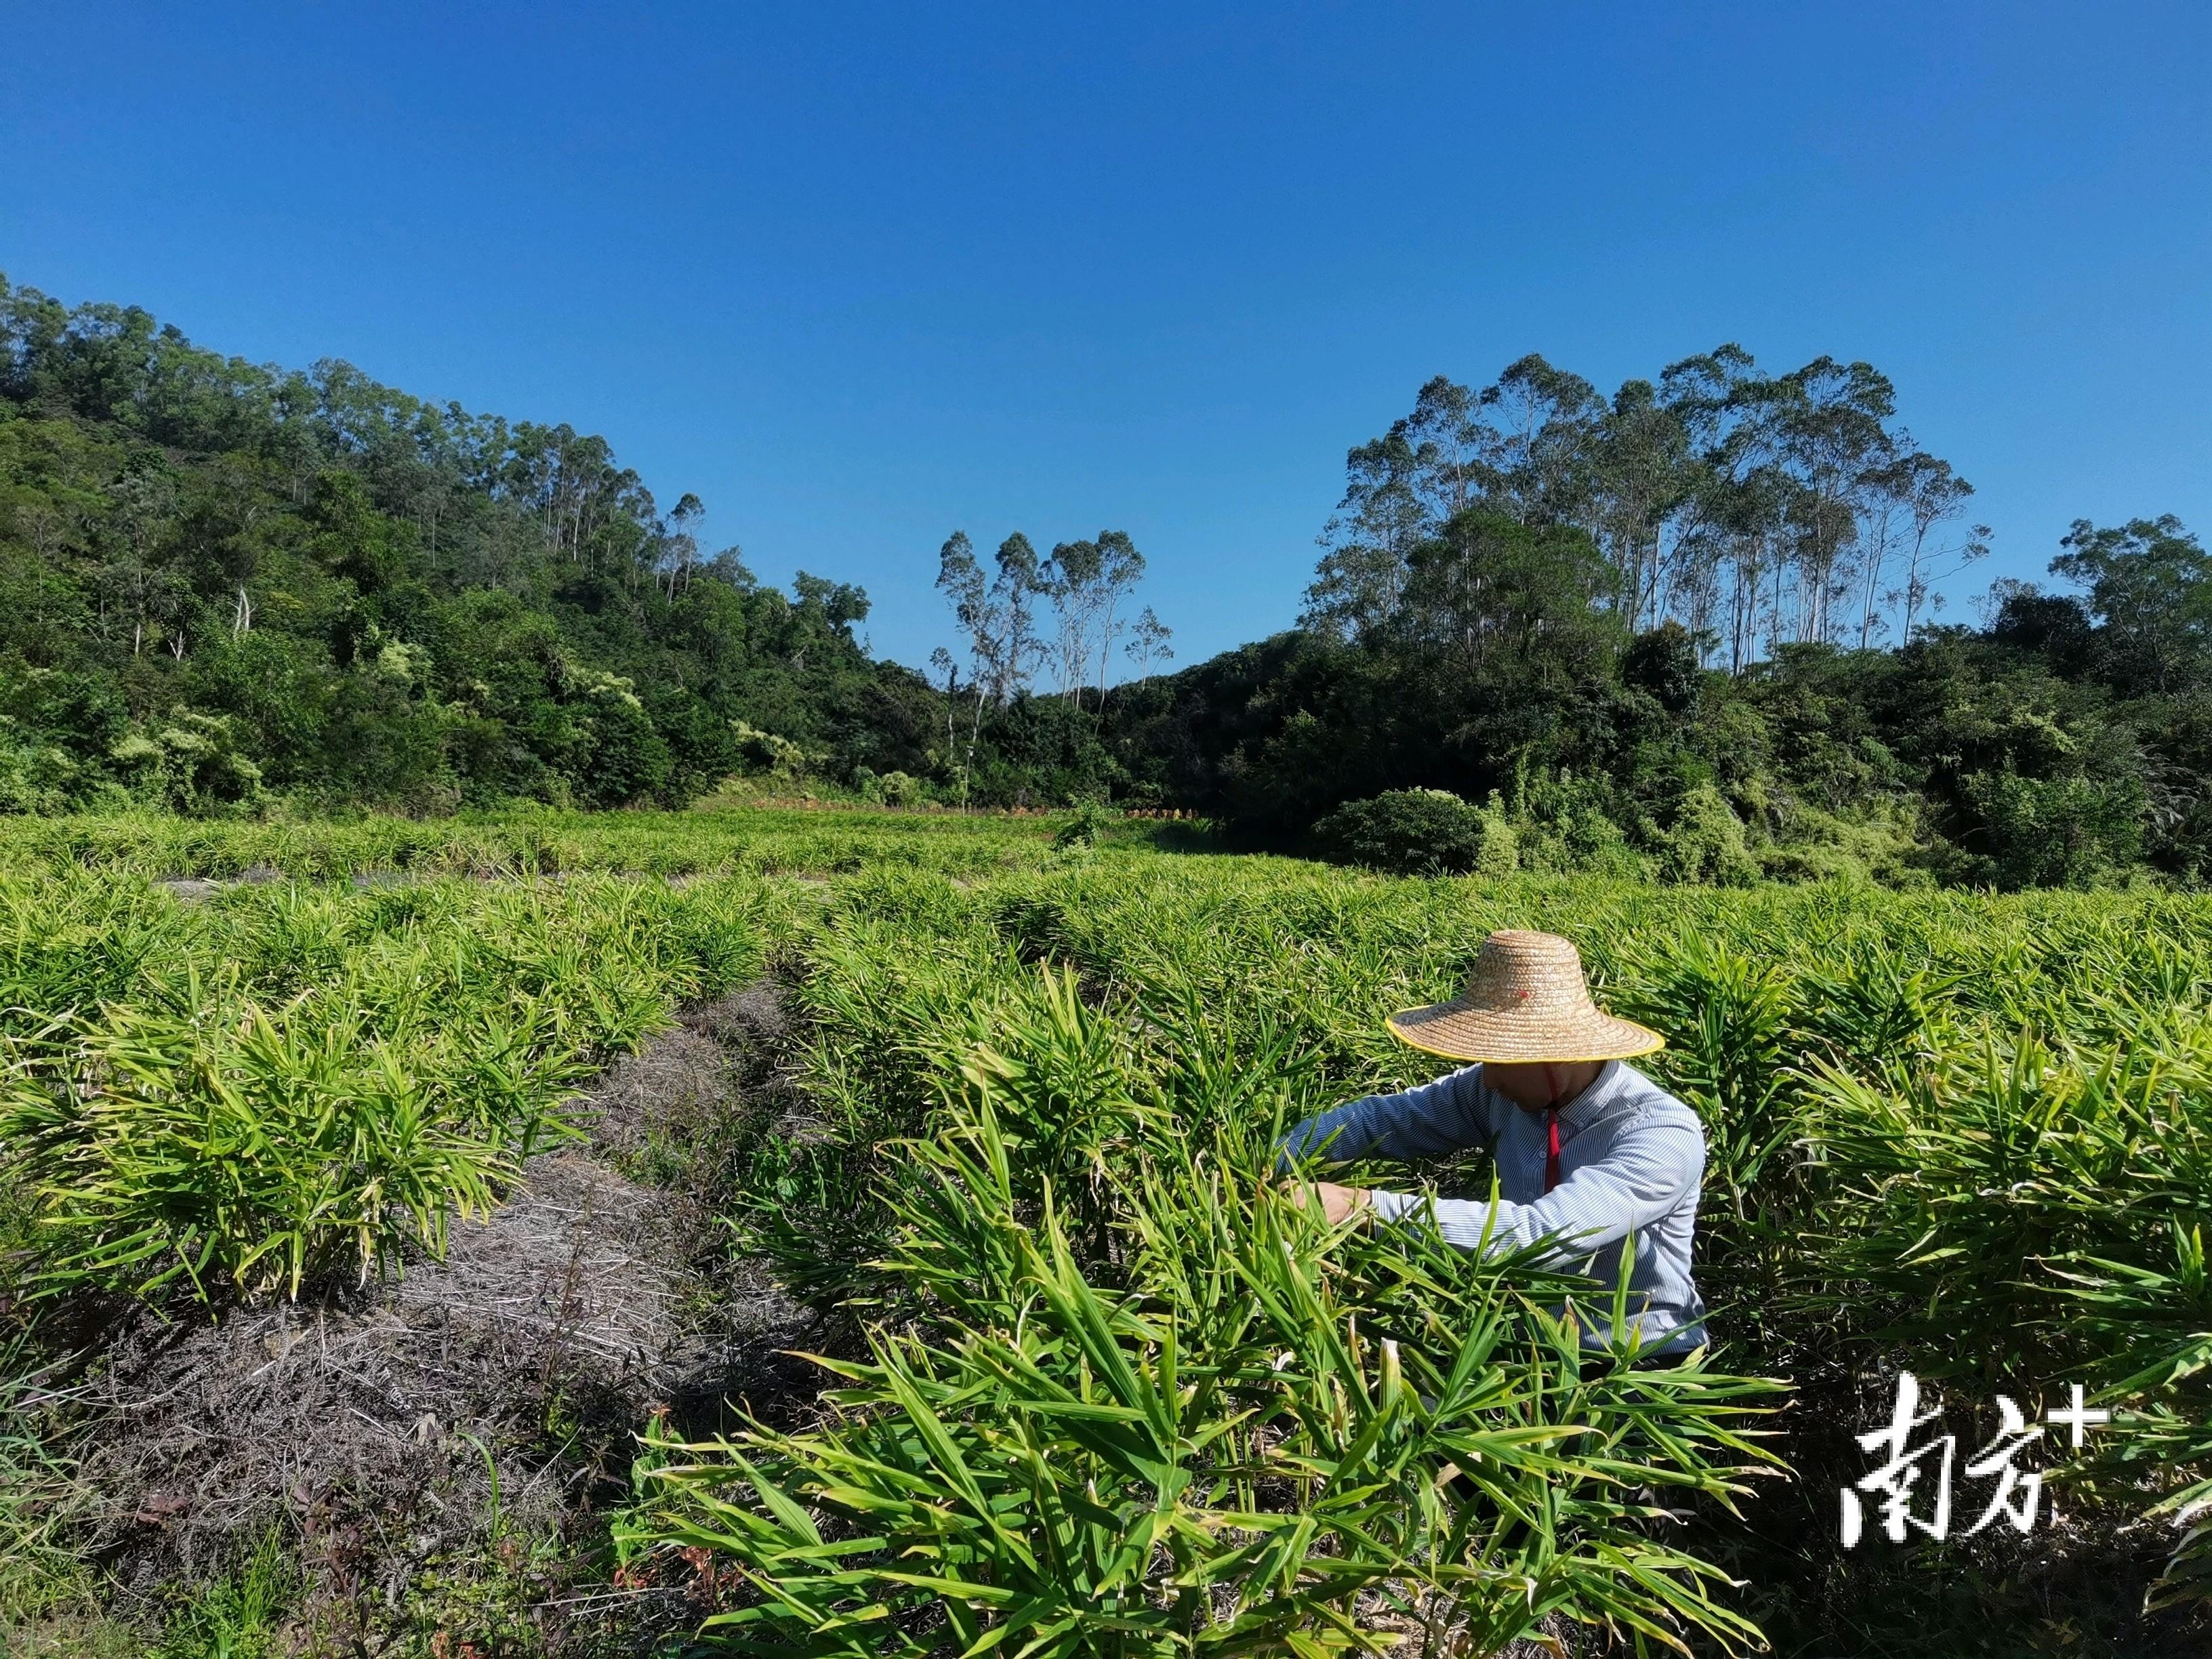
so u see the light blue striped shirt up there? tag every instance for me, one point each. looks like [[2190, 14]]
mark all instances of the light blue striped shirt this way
[[1631, 1158]]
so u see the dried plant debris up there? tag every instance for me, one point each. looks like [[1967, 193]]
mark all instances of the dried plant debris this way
[[499, 1388]]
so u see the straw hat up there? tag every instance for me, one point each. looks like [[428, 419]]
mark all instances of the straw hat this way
[[1526, 1000]]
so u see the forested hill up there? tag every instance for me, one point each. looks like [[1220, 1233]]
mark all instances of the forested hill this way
[[221, 581], [1694, 628], [1688, 630]]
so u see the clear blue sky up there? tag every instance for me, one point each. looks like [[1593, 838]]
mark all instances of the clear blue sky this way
[[859, 275]]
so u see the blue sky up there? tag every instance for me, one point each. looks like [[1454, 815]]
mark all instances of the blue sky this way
[[859, 275]]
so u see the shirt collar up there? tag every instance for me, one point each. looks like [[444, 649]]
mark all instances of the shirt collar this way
[[1586, 1108]]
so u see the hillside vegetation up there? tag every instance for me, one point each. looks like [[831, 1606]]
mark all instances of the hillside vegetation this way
[[1687, 631], [226, 582]]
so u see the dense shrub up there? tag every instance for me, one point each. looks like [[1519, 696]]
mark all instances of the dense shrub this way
[[1883, 845], [1561, 822], [1083, 829], [2057, 832], [891, 789], [765, 752], [190, 763], [1706, 842], [1418, 832]]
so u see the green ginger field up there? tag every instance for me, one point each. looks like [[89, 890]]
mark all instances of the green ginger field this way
[[410, 1225]]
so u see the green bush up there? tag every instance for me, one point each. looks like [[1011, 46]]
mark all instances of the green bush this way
[[1084, 830], [1418, 832], [34, 777], [1878, 846], [2056, 832], [891, 789], [1561, 823], [1706, 842], [764, 752], [190, 763]]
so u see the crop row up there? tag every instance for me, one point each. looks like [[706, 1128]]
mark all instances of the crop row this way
[[290, 1081], [515, 845], [1108, 1391], [1120, 1399]]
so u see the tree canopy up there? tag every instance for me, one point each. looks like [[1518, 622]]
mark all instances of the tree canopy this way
[[344, 592], [1692, 628]]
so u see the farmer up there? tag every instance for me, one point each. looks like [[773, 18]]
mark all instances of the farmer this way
[[1590, 1153]]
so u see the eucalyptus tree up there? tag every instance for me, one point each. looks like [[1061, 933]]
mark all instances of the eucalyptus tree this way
[[1121, 568], [1087, 582], [1148, 644], [1755, 508], [1880, 535], [1830, 422], [1014, 593], [1640, 476], [1930, 495], [1518, 448], [960, 578], [1545, 422], [1733, 500], [680, 545], [998, 614], [1070, 579], [1361, 579], [1456, 449]]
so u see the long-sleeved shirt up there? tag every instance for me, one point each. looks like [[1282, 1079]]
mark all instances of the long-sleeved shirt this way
[[1631, 1158]]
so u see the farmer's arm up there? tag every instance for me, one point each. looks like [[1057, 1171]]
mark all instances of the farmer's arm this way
[[1447, 1116], [1641, 1179]]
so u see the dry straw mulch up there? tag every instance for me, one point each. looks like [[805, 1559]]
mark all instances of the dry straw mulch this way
[[375, 1420]]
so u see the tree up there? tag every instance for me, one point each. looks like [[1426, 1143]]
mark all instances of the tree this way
[[1148, 644], [1731, 506], [1362, 574], [1830, 432], [1733, 501], [1639, 469], [2150, 583], [1931, 494], [1664, 662], [1546, 422], [683, 542], [1500, 595], [941, 660], [183, 530], [1070, 579], [2056, 627], [145, 592], [999, 617], [1014, 593], [840, 604], [961, 580], [1121, 568]]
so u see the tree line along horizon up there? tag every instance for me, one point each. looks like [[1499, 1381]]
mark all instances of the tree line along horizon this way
[[1691, 630]]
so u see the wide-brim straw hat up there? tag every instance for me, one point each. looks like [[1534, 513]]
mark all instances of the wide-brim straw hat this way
[[1527, 1000]]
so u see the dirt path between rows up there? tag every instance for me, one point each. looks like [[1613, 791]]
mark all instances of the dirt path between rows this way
[[394, 1427]]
